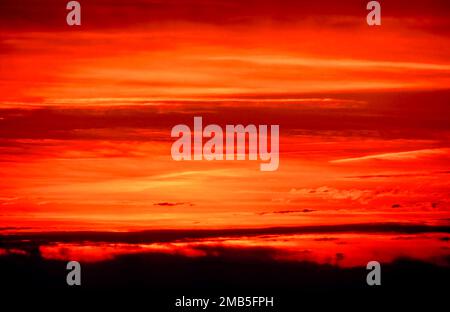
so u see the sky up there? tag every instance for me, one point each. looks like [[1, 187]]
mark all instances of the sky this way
[[86, 113]]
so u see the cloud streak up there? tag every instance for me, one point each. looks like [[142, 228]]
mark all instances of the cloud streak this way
[[409, 155]]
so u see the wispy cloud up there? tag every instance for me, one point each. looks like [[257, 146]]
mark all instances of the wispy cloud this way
[[397, 156]]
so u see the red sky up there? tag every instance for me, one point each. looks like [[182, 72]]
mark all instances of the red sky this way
[[86, 113]]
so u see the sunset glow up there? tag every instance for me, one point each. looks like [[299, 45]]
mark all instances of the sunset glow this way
[[86, 115]]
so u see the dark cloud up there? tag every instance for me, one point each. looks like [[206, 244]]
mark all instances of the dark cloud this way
[[151, 236], [14, 228], [340, 256], [168, 204], [162, 277], [106, 14], [287, 211], [326, 239], [392, 116]]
